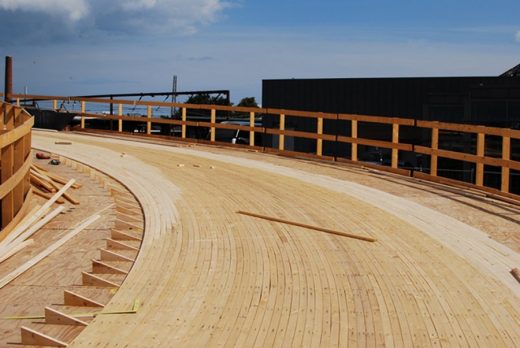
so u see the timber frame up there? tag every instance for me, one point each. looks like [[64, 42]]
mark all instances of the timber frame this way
[[480, 159], [15, 162]]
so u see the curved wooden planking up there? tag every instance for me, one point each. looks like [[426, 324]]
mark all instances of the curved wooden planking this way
[[208, 276]]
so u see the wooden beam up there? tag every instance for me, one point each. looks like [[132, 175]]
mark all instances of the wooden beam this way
[[281, 137], [119, 235], [506, 156], [148, 120], [55, 317], [35, 338], [120, 120], [252, 127], [82, 115], [395, 140], [16, 249], [114, 244], [354, 135], [6, 172], [481, 140], [72, 299], [319, 141], [33, 261], [108, 255], [93, 280], [100, 267], [183, 126], [213, 121], [316, 228], [433, 157]]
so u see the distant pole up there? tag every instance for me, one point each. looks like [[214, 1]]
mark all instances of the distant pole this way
[[174, 94], [8, 91]]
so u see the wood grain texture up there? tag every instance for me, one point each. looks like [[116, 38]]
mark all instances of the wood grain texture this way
[[208, 277]]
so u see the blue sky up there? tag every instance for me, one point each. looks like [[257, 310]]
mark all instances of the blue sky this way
[[72, 47]]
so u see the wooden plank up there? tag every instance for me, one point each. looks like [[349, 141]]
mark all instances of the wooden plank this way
[[15, 179], [120, 119], [18, 162], [22, 227], [281, 137], [148, 120], [114, 244], [481, 140], [13, 251], [100, 267], [6, 173], [72, 299], [112, 256], [435, 146], [52, 316], [317, 228], [395, 140], [319, 142], [19, 218], [183, 126], [506, 156], [35, 338], [119, 235], [252, 126], [354, 135], [213, 121], [82, 125], [45, 195], [93, 280], [377, 119], [53, 247]]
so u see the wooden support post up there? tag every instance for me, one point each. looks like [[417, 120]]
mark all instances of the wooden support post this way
[[213, 121], [319, 141], [183, 126], [72, 299], [18, 161], [251, 132], [435, 146], [6, 171], [100, 267], [395, 140], [54, 104], [481, 141], [506, 156], [148, 120], [18, 102], [354, 134], [114, 244], [281, 137], [108, 255], [35, 338], [120, 121], [55, 317], [82, 115], [119, 235]]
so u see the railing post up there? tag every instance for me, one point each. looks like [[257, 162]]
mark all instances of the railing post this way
[[481, 140], [433, 157], [395, 140], [18, 102], [183, 126], [353, 135], [251, 127], [54, 105], [120, 120], [281, 137], [506, 156], [148, 120], [319, 141], [82, 115], [213, 121]]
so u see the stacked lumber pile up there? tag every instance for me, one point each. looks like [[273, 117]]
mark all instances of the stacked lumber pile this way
[[49, 186], [46, 183]]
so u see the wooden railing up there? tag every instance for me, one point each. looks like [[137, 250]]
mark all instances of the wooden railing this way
[[15, 162], [278, 117]]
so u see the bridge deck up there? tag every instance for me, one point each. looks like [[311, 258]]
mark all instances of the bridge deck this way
[[207, 276]]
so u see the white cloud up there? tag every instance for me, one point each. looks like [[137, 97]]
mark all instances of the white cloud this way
[[517, 36], [73, 9]]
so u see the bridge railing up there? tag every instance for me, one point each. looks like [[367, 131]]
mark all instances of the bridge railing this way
[[15, 162], [275, 127]]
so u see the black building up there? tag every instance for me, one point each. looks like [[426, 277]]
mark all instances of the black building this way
[[491, 101]]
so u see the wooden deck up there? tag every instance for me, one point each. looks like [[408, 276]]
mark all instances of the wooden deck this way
[[207, 276]]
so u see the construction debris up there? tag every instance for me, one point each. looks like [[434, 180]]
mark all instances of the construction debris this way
[[62, 143], [41, 155], [516, 273]]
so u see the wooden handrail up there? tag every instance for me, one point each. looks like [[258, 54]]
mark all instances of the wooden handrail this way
[[281, 118]]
